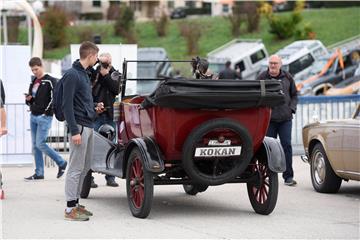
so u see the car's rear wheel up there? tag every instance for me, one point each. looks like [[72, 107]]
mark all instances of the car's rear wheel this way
[[263, 191], [323, 177], [229, 151], [139, 185], [86, 185], [194, 189]]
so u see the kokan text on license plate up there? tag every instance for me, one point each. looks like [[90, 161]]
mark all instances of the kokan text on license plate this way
[[218, 151]]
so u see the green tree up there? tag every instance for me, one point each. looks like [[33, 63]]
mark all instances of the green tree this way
[[54, 21]]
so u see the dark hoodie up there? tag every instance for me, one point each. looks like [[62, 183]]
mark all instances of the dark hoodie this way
[[283, 112], [78, 105]]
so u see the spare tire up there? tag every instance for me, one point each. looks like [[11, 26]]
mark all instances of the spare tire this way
[[217, 152]]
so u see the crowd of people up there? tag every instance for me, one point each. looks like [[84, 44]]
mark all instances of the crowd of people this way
[[87, 105]]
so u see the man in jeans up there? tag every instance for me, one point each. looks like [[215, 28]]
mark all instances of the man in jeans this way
[[40, 98], [281, 116], [105, 89], [79, 111]]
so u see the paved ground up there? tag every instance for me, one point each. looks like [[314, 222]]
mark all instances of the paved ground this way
[[35, 210]]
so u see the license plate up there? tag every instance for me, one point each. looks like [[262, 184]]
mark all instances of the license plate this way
[[216, 142], [218, 151]]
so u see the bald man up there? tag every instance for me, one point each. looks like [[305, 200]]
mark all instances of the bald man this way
[[281, 116], [105, 89]]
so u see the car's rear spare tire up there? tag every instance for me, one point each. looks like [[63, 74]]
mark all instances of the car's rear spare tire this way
[[217, 152]]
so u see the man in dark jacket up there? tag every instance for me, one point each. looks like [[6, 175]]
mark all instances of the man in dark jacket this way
[[79, 111], [105, 90], [40, 98], [281, 116], [228, 73]]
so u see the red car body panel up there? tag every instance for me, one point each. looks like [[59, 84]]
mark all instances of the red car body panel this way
[[170, 127]]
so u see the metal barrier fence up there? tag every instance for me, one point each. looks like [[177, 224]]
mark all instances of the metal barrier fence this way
[[312, 108], [15, 148]]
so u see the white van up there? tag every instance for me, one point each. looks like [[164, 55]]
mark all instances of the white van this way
[[299, 56], [245, 54]]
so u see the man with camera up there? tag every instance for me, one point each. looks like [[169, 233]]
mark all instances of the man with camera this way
[[105, 89]]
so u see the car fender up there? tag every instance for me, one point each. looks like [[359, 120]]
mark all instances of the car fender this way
[[274, 153], [149, 151]]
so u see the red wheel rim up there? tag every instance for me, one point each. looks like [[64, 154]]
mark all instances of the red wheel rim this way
[[137, 183], [261, 191]]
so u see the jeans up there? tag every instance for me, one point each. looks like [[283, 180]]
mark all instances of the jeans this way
[[283, 129], [40, 126], [100, 120]]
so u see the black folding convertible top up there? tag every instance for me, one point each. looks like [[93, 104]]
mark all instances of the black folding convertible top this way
[[216, 94]]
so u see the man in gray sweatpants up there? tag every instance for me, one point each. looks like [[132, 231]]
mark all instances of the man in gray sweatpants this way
[[79, 112]]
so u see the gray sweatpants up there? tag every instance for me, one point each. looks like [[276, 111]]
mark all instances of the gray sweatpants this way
[[79, 163]]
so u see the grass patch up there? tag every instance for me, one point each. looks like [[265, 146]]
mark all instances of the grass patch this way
[[330, 25]]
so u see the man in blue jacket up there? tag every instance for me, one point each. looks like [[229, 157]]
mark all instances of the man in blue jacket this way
[[80, 113], [281, 116]]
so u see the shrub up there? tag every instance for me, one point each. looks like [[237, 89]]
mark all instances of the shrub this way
[[54, 21], [113, 11], [236, 20], [252, 15], [285, 26], [161, 24], [124, 25], [192, 33], [306, 33], [13, 23]]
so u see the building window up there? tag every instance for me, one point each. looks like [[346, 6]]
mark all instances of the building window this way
[[171, 4], [135, 6], [225, 8], [96, 3], [190, 4], [256, 57]]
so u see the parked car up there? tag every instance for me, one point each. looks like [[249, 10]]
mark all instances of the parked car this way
[[331, 70], [153, 69], [346, 87], [299, 56], [245, 54], [332, 150], [182, 134], [177, 13]]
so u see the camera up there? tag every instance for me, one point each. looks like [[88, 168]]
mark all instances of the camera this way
[[104, 64]]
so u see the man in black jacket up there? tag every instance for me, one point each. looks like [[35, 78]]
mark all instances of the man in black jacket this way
[[105, 89], [40, 98], [229, 73], [281, 116]]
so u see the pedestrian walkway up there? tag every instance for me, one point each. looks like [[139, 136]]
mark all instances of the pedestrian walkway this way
[[36, 210]]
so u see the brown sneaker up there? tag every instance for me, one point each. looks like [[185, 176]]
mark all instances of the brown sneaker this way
[[75, 215], [83, 210]]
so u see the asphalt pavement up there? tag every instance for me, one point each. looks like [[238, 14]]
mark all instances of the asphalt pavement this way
[[35, 210]]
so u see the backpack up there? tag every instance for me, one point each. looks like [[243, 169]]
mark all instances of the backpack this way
[[58, 99]]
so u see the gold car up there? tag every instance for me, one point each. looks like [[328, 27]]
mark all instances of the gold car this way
[[332, 149]]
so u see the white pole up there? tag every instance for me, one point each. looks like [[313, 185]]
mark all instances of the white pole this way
[[5, 28], [37, 48]]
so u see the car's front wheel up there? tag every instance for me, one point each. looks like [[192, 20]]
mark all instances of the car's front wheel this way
[[139, 185], [323, 177]]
